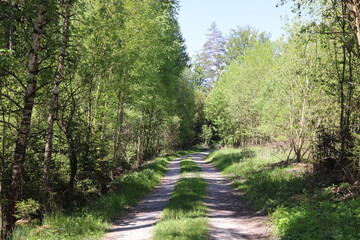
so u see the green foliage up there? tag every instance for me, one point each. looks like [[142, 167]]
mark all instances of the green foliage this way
[[184, 217], [240, 162], [123, 97], [26, 208], [275, 92], [273, 188], [234, 105], [206, 133], [272, 92], [242, 40], [92, 221], [319, 219], [297, 209]]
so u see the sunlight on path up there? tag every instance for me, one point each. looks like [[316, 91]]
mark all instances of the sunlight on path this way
[[230, 217], [138, 223]]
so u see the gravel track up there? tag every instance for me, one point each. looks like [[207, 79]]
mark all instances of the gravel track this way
[[230, 216]]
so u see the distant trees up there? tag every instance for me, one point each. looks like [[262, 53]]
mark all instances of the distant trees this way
[[234, 104], [301, 93], [242, 40], [210, 60]]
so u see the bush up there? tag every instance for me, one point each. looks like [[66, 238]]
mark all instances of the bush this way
[[26, 209]]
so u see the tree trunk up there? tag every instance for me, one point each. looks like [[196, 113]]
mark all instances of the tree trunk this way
[[354, 12], [11, 32], [344, 83], [119, 131], [73, 165], [121, 123], [66, 125], [138, 151], [148, 133], [24, 129], [139, 148], [53, 109], [2, 164]]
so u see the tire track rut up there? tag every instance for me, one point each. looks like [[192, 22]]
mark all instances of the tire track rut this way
[[230, 216], [137, 224]]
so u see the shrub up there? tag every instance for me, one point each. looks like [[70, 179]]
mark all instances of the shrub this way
[[25, 209]]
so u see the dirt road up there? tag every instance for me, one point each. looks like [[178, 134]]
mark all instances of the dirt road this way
[[230, 217], [138, 222]]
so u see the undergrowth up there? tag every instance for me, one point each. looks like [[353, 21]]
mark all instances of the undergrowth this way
[[184, 217], [297, 208], [93, 220]]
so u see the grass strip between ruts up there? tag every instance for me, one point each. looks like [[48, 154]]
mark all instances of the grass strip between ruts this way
[[185, 216], [188, 165]]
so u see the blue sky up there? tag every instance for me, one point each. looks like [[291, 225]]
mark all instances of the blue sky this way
[[195, 17]]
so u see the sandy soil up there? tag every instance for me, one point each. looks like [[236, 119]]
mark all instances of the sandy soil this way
[[230, 216]]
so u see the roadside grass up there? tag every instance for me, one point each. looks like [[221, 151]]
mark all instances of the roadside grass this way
[[240, 162], [184, 217], [92, 221], [319, 217], [297, 208]]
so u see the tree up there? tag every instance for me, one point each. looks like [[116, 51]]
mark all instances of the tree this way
[[301, 92], [211, 57], [233, 103], [24, 129], [122, 90], [242, 40], [338, 23], [206, 134], [53, 106]]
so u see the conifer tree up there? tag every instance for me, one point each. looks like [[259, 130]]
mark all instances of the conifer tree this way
[[211, 57]]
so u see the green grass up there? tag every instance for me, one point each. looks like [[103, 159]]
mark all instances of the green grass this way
[[188, 165], [184, 217], [319, 218], [241, 162], [297, 209], [92, 221]]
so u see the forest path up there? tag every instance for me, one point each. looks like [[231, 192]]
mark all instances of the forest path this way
[[139, 221], [230, 216]]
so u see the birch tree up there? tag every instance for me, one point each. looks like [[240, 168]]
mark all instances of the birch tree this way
[[24, 129]]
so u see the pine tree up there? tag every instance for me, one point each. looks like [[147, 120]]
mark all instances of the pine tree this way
[[212, 55]]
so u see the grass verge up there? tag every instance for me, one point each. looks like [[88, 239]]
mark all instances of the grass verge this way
[[297, 209], [184, 217], [92, 221]]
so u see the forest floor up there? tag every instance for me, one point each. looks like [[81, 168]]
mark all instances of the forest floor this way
[[230, 216]]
